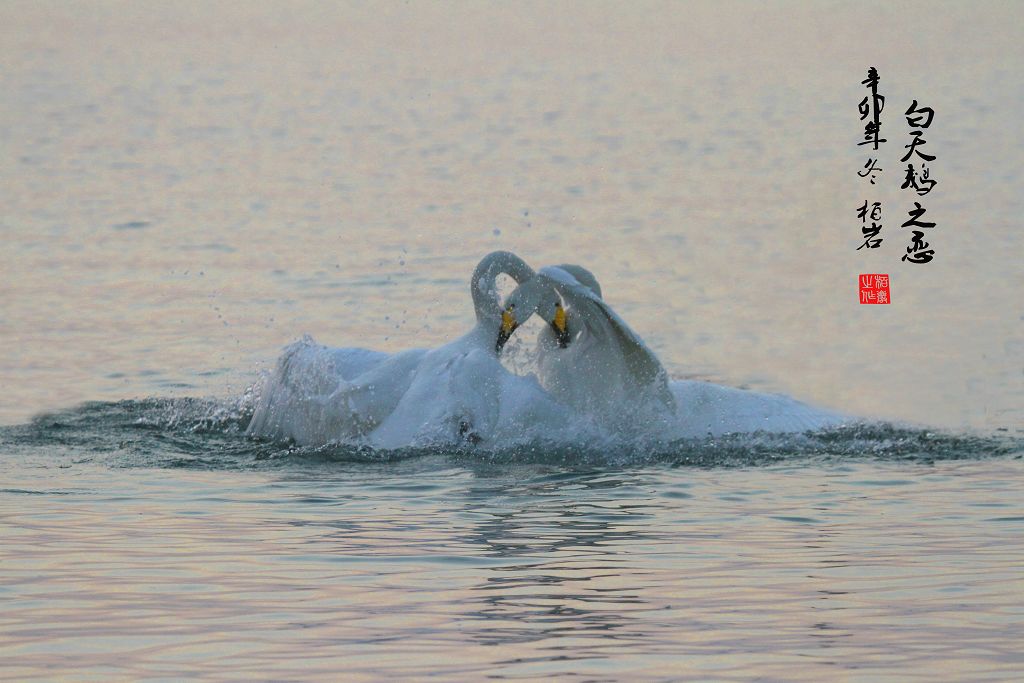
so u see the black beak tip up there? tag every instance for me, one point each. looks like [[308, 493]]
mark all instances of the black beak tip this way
[[562, 336], [503, 338]]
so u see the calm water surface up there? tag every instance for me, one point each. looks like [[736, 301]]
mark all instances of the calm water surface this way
[[142, 541], [185, 190]]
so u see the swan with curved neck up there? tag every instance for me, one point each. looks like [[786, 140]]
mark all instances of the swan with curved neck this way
[[588, 357], [483, 287]]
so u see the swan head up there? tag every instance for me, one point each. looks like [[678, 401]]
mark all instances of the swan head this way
[[566, 281], [552, 312], [490, 313]]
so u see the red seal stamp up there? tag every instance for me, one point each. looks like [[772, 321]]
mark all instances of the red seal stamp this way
[[874, 288]]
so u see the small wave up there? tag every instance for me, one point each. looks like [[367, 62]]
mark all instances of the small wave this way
[[210, 434]]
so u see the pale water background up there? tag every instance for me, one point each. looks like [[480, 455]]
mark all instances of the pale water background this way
[[186, 189]]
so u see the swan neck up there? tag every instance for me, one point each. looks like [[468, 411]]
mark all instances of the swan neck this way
[[483, 285]]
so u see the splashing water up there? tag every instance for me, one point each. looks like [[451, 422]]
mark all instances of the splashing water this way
[[209, 433]]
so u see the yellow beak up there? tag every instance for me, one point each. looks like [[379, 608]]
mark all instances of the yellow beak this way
[[560, 326], [508, 321], [508, 326]]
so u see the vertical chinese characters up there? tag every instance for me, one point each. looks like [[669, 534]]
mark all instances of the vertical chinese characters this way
[[871, 111], [918, 180], [871, 106], [871, 224]]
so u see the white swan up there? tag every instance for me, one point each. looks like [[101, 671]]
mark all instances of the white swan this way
[[588, 357], [459, 391], [591, 360]]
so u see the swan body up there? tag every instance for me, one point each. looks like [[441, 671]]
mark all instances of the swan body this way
[[707, 409], [317, 394]]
